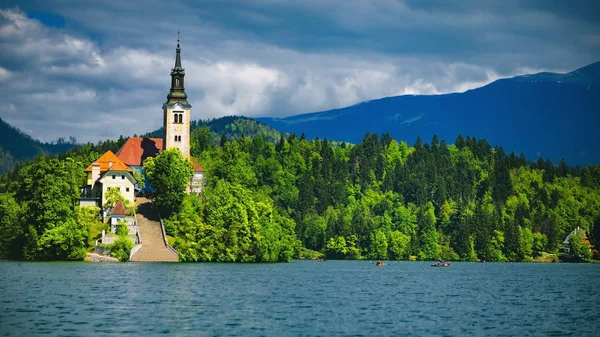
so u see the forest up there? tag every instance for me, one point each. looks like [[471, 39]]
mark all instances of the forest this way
[[280, 197]]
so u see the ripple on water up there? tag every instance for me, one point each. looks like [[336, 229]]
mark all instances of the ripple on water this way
[[303, 298]]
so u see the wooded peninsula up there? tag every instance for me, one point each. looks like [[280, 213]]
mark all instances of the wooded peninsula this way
[[278, 197]]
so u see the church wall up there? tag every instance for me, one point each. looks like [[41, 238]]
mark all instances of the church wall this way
[[178, 129]]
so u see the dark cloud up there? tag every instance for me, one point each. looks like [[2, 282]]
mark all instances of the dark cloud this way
[[99, 69]]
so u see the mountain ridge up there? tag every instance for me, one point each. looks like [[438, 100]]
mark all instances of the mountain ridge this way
[[536, 108]]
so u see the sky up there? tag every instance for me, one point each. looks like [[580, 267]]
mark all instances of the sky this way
[[99, 69]]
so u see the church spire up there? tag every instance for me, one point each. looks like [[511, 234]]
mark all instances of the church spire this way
[[178, 56], [177, 92]]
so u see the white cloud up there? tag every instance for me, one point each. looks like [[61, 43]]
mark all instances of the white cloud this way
[[4, 74], [115, 83]]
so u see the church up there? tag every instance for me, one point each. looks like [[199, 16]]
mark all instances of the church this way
[[116, 170]]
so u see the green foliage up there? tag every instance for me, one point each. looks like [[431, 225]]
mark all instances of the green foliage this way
[[89, 217], [139, 179], [122, 229], [579, 246], [268, 197], [68, 241], [169, 173], [11, 232], [539, 243], [121, 248], [379, 245], [113, 194], [336, 248]]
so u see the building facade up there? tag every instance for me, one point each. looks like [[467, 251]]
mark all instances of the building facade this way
[[177, 110]]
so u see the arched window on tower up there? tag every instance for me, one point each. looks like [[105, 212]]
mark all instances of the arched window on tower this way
[[175, 118], [180, 118], [177, 82]]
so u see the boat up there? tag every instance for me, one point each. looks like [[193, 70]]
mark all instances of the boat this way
[[442, 264], [379, 263]]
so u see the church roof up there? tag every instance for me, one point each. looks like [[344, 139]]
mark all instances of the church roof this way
[[109, 162], [136, 150], [119, 208]]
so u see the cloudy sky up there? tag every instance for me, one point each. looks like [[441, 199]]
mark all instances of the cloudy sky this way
[[100, 69]]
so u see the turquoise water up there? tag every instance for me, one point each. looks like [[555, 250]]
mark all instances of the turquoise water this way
[[302, 298]]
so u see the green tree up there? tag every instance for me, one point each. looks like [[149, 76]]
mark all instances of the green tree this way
[[170, 174], [399, 245], [121, 248], [579, 246], [429, 235], [539, 243], [11, 231], [379, 245]]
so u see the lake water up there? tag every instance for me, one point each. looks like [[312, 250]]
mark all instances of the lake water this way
[[302, 298]]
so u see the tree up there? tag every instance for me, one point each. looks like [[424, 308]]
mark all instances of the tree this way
[[398, 246], [429, 236], [170, 174], [379, 245], [11, 231], [580, 247], [336, 248], [539, 243]]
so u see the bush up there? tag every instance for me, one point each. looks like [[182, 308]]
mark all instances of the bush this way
[[121, 248], [122, 229]]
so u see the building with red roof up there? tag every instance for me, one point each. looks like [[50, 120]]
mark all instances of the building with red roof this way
[[112, 170], [106, 172]]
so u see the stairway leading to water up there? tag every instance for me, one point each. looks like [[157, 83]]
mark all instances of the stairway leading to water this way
[[153, 248]]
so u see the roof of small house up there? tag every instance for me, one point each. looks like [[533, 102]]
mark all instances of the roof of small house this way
[[573, 232], [109, 162], [119, 208], [136, 150]]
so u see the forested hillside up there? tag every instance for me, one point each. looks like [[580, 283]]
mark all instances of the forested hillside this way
[[382, 199], [16, 146], [378, 199], [225, 128]]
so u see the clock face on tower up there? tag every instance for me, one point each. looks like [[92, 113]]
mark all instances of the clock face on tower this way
[[177, 127]]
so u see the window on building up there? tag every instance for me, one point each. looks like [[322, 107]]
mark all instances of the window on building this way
[[177, 82], [113, 176], [180, 118], [126, 189], [122, 176], [175, 118]]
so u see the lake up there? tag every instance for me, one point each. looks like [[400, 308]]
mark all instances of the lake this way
[[302, 298]]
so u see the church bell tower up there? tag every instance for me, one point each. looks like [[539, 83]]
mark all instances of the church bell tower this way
[[177, 110]]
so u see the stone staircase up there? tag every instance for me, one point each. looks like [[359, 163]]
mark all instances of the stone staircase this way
[[153, 248]]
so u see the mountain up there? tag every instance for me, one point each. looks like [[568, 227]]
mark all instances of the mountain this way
[[16, 146], [230, 126], [545, 114]]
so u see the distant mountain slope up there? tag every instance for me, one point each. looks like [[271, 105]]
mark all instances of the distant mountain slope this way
[[16, 145], [232, 127], [547, 114]]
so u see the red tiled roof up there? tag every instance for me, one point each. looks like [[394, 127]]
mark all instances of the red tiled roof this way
[[136, 150], [197, 167], [119, 208], [109, 162]]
